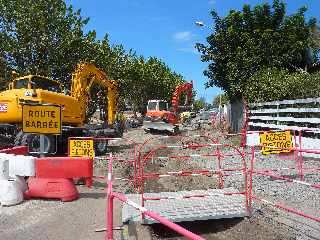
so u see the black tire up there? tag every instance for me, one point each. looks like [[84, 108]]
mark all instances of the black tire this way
[[33, 142], [175, 131], [119, 128], [101, 147], [147, 130]]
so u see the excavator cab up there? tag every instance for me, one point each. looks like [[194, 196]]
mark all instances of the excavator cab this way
[[36, 82], [158, 105], [160, 118]]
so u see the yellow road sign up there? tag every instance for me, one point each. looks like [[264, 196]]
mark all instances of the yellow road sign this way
[[276, 142], [43, 119], [81, 148]]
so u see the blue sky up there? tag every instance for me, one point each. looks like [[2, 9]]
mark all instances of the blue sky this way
[[166, 29]]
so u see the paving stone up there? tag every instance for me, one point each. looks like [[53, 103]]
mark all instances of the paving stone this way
[[214, 206]]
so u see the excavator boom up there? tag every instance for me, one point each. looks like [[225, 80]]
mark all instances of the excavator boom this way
[[85, 75], [183, 88]]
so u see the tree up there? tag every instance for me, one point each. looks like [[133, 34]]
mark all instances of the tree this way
[[3, 73], [150, 79], [247, 41], [220, 99], [199, 103], [139, 79], [43, 37]]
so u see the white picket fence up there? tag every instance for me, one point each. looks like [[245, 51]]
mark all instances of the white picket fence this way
[[299, 114]]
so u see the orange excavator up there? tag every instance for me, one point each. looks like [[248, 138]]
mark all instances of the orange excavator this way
[[160, 118]]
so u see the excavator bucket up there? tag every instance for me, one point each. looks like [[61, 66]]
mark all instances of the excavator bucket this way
[[151, 125]]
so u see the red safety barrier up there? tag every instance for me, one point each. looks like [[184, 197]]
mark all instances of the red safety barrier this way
[[297, 150], [65, 167], [109, 211], [54, 177], [220, 171], [131, 158], [20, 150], [271, 173], [52, 188], [177, 138], [142, 151]]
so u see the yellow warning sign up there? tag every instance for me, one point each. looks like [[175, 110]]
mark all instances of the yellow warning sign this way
[[43, 119], [276, 142], [81, 148]]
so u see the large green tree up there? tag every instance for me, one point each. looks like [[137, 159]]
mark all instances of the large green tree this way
[[244, 42], [139, 79], [43, 37]]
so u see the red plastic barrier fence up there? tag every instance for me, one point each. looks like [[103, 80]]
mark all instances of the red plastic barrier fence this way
[[109, 211], [65, 167], [221, 172], [297, 151], [130, 159], [270, 173], [20, 150]]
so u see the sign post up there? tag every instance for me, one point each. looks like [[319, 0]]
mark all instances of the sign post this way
[[41, 119]]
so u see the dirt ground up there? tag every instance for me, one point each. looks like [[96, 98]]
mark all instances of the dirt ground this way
[[51, 219]]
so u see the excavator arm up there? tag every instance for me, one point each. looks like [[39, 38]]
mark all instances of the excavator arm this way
[[85, 75], [183, 88]]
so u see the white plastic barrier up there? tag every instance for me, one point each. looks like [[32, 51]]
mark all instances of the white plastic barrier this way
[[13, 169], [21, 181], [10, 193], [22, 166], [4, 167]]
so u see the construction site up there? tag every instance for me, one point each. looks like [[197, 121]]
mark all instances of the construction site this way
[[99, 142], [202, 180]]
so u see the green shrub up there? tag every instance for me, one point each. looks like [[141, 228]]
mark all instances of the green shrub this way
[[273, 84]]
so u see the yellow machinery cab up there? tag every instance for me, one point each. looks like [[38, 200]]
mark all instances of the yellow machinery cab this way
[[33, 89]]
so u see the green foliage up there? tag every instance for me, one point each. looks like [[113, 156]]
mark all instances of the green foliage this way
[[46, 37], [43, 37], [199, 103], [274, 84], [247, 41], [3, 74], [224, 100], [150, 79]]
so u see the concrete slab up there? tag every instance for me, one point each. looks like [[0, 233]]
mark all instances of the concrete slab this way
[[215, 206]]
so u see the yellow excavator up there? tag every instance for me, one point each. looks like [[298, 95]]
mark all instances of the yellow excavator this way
[[34, 89]]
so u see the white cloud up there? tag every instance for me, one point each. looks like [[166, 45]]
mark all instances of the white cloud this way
[[188, 50], [183, 36], [212, 2]]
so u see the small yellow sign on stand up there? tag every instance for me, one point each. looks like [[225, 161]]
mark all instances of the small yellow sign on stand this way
[[276, 142], [81, 148], [42, 119]]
